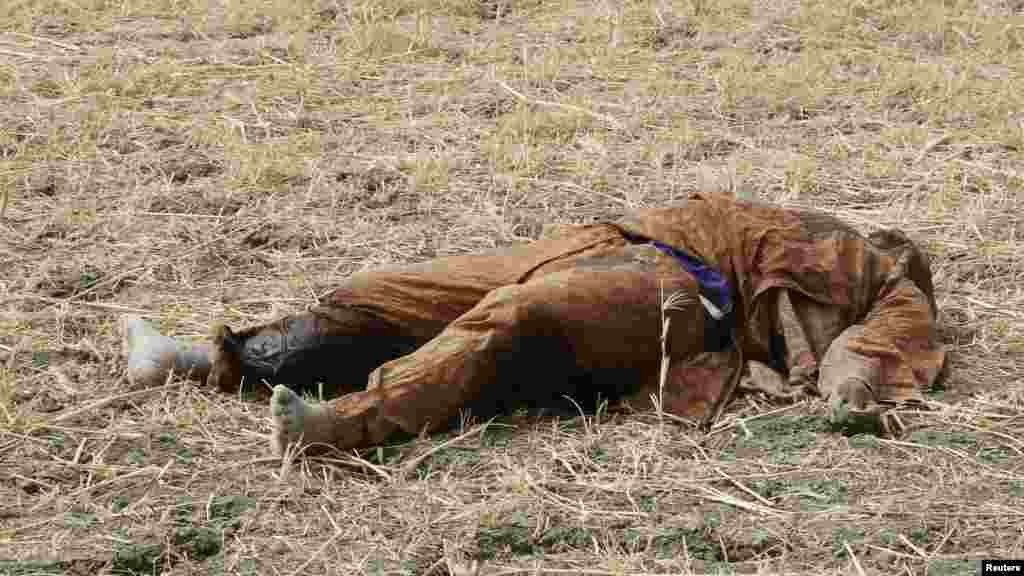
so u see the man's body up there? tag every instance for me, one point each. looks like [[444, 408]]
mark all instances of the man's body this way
[[414, 348]]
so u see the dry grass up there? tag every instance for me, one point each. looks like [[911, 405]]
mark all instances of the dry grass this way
[[197, 163]]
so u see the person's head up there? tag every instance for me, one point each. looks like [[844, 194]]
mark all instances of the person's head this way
[[913, 262]]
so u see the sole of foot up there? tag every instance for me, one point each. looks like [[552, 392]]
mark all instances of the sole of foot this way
[[295, 421]]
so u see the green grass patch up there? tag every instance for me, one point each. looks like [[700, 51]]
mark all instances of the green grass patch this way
[[451, 457], [511, 536], [670, 543], [811, 494], [781, 439], [970, 443], [137, 558], [950, 567], [841, 536], [79, 519]]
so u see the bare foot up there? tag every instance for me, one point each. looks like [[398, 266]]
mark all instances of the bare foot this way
[[151, 355], [853, 396], [847, 379], [296, 421]]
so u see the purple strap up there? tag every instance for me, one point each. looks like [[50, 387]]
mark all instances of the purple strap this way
[[713, 285]]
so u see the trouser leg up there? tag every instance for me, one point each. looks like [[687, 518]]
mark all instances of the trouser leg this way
[[803, 331], [336, 348], [589, 330]]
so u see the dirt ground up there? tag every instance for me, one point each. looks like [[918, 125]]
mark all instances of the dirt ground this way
[[197, 162]]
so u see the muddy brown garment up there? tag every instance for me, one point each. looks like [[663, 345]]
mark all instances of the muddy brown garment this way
[[805, 277], [579, 315]]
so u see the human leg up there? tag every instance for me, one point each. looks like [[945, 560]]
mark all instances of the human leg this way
[[336, 347], [334, 343], [583, 331]]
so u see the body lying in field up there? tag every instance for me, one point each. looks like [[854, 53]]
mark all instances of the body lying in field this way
[[799, 299]]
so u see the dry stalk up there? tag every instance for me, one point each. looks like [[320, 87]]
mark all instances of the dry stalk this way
[[116, 397], [411, 465], [63, 45], [319, 552], [612, 122], [853, 559], [28, 55], [676, 302]]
